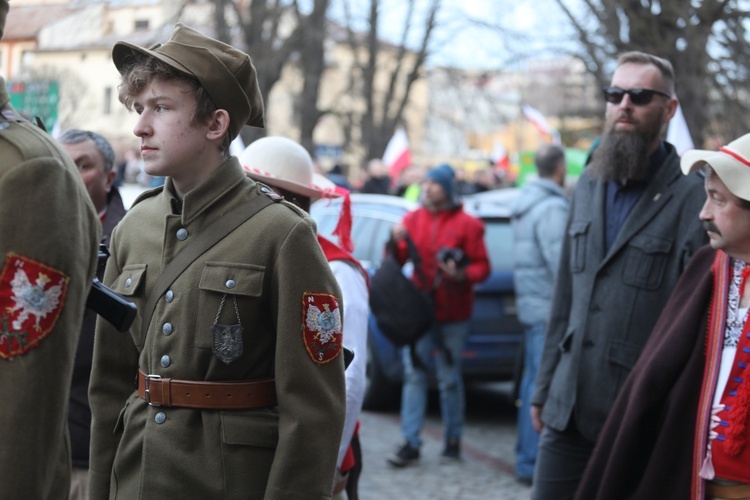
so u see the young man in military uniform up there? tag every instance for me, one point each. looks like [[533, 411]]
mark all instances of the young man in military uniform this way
[[236, 346], [48, 248]]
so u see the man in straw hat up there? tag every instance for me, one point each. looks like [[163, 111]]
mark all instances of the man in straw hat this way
[[679, 428], [48, 252], [288, 168], [236, 347]]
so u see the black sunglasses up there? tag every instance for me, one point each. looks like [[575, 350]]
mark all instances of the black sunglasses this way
[[639, 97]]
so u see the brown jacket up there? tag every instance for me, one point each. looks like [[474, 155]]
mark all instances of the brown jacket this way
[[284, 451], [48, 245]]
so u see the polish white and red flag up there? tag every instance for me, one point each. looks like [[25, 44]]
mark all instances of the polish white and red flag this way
[[397, 155], [500, 157], [540, 122], [678, 133]]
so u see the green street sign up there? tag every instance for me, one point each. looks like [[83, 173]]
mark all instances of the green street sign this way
[[36, 98]]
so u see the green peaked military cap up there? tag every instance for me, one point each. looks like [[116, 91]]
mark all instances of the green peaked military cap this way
[[226, 73]]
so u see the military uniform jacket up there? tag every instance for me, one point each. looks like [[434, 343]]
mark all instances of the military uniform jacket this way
[[49, 233], [267, 267], [605, 305]]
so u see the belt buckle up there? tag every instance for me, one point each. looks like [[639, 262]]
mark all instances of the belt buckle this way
[[146, 391]]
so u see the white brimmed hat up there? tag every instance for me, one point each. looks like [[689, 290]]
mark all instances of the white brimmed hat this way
[[283, 163], [731, 163]]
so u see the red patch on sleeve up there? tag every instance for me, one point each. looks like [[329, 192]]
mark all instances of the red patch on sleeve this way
[[321, 326], [32, 295]]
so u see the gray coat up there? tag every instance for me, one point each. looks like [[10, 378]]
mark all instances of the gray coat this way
[[605, 305], [539, 216]]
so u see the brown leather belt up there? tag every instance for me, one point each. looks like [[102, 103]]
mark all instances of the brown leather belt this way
[[161, 391], [728, 491]]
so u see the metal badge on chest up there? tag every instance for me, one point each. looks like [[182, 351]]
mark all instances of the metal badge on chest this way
[[227, 344]]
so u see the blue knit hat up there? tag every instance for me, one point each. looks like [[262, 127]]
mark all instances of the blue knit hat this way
[[446, 177]]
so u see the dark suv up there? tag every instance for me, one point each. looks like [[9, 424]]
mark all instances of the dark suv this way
[[493, 342]]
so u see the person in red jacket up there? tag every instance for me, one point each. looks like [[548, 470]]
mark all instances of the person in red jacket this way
[[453, 257]]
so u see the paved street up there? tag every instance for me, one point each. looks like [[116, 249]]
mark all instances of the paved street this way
[[486, 471]]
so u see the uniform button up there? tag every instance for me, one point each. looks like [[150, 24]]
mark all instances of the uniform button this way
[[128, 282], [230, 284], [169, 296], [264, 189], [166, 361], [167, 329], [160, 417], [182, 234]]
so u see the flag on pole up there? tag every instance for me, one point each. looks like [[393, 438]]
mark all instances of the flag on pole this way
[[397, 155], [678, 133], [500, 157], [540, 122]]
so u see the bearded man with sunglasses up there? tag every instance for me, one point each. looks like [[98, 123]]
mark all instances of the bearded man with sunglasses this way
[[632, 228]]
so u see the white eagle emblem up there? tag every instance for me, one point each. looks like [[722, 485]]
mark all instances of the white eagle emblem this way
[[33, 299], [324, 323]]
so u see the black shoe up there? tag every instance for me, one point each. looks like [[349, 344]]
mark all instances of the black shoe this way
[[404, 456], [452, 450]]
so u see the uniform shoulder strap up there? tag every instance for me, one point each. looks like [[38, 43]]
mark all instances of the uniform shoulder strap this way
[[228, 223]]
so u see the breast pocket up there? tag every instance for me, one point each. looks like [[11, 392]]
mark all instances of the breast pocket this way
[[645, 260], [222, 287], [578, 234], [131, 285]]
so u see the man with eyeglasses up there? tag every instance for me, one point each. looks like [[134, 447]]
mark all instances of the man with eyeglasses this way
[[633, 227]]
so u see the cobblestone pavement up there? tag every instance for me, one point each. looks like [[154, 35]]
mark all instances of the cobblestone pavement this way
[[485, 472]]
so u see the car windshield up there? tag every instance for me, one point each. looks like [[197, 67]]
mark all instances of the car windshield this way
[[369, 234]]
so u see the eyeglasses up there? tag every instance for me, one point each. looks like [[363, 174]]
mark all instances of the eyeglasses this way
[[639, 97]]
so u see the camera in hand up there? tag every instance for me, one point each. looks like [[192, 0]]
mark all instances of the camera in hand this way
[[457, 255], [106, 302]]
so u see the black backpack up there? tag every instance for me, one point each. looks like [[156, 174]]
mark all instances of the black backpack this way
[[402, 311]]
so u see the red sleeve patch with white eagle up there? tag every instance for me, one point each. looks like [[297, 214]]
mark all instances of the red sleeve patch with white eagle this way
[[321, 326], [32, 295]]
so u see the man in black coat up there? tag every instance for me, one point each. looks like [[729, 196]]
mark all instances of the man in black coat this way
[[95, 159]]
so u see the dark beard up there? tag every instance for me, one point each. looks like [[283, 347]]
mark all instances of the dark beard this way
[[622, 156]]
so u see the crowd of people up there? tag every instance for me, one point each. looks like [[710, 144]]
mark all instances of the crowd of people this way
[[375, 178], [631, 292]]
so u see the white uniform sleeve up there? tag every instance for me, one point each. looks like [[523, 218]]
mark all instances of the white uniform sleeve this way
[[356, 310]]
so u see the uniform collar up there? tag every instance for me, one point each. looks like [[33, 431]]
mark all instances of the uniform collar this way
[[208, 193]]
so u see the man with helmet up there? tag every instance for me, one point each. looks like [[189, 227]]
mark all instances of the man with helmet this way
[[287, 167]]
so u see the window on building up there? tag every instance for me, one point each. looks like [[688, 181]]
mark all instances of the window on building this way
[[141, 24]]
